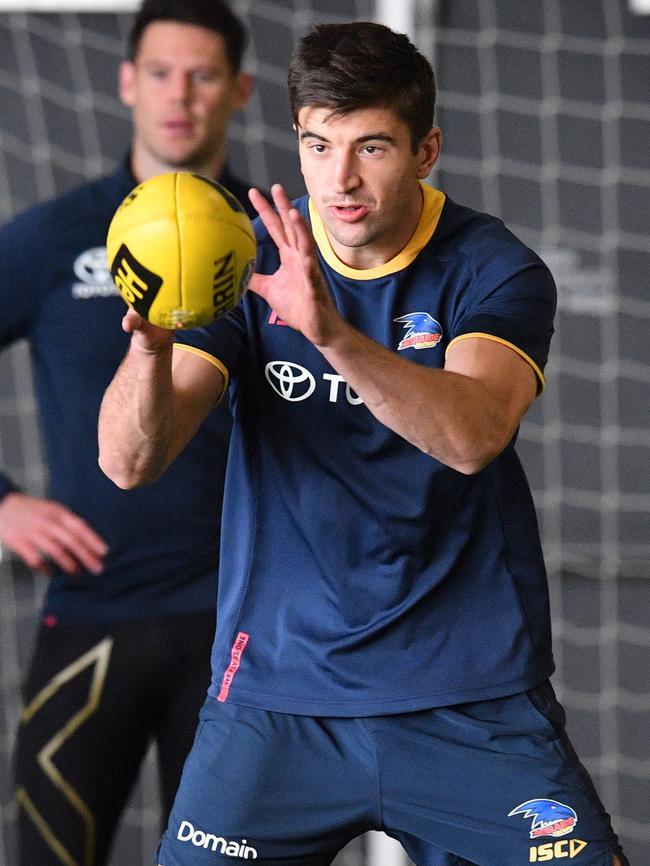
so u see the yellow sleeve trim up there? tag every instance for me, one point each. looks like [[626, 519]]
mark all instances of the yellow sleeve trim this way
[[211, 360], [514, 348]]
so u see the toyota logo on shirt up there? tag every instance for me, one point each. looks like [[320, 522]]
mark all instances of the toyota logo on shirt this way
[[290, 381], [294, 383]]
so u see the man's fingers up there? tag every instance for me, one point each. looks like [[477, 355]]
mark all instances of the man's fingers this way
[[73, 543], [66, 552], [45, 533], [258, 284], [284, 223], [132, 321], [32, 557], [58, 553], [43, 554], [284, 207], [85, 533], [276, 220], [304, 238], [280, 198], [270, 219], [258, 201]]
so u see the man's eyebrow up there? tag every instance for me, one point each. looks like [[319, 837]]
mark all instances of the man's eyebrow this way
[[376, 136], [166, 63], [307, 134], [371, 136]]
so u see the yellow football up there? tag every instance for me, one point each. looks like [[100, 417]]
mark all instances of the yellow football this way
[[181, 250]]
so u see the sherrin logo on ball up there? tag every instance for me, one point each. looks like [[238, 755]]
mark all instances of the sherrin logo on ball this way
[[181, 250]]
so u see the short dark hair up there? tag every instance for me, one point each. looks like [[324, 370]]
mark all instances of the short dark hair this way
[[214, 15], [361, 65]]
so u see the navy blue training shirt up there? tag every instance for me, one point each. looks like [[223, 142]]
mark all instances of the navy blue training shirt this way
[[58, 294], [360, 576]]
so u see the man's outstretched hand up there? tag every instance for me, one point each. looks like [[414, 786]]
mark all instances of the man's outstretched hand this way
[[297, 291]]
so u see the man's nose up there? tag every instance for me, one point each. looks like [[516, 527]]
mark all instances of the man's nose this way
[[180, 87], [346, 175]]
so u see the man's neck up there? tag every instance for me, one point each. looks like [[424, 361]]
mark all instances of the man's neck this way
[[144, 165]]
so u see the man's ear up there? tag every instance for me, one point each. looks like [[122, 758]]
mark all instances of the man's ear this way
[[126, 83], [243, 90], [429, 151]]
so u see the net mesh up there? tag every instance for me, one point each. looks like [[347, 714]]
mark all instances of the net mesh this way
[[544, 111], [545, 121]]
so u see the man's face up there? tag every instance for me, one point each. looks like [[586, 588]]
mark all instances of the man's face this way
[[363, 178], [182, 91]]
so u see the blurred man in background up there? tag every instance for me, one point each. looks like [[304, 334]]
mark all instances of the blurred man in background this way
[[122, 654]]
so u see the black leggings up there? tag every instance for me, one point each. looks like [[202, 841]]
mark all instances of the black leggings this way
[[95, 698]]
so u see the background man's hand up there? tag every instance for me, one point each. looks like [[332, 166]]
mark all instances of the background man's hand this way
[[41, 532]]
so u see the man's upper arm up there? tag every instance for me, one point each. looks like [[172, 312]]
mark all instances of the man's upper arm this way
[[200, 382], [501, 368]]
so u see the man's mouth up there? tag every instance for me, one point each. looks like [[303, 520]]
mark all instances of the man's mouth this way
[[349, 213], [179, 127]]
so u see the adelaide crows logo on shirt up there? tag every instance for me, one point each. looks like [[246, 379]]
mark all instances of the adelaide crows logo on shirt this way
[[422, 331]]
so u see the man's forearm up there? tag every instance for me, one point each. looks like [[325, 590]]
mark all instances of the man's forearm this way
[[459, 419], [137, 418]]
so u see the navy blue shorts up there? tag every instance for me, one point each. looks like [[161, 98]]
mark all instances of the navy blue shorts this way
[[493, 783]]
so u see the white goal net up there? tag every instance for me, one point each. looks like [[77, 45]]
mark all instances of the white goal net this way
[[544, 111]]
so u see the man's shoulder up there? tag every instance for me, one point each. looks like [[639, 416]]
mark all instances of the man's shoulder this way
[[480, 236], [94, 196], [462, 221]]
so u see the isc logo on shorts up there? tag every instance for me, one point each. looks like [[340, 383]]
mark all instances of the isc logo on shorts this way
[[566, 849], [187, 833]]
